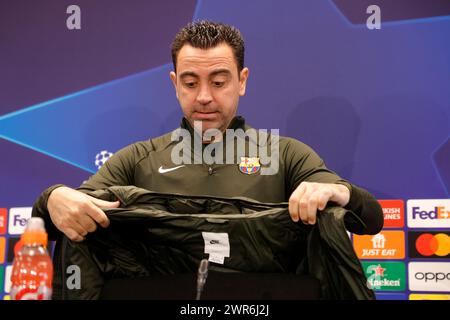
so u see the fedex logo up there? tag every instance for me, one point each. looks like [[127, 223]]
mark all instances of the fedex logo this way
[[429, 213], [18, 219], [437, 213]]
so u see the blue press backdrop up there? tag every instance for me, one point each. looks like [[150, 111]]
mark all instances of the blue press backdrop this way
[[375, 104]]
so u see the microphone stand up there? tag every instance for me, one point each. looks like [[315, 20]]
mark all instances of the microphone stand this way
[[201, 277]]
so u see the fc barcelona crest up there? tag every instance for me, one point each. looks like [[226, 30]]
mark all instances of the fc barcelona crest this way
[[249, 165]]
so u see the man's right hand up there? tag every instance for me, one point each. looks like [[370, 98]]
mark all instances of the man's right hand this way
[[75, 213]]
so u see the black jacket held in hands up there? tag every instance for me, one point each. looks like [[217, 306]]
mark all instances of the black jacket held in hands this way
[[161, 234]]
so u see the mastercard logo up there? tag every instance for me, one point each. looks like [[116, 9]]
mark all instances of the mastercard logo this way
[[438, 244]]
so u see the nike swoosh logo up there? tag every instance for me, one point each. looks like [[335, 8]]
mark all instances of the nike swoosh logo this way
[[162, 170]]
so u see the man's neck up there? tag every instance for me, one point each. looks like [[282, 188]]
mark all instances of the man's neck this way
[[215, 135]]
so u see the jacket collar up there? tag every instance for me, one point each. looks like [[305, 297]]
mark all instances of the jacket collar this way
[[237, 122]]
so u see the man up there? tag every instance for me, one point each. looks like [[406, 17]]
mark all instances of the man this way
[[209, 77]]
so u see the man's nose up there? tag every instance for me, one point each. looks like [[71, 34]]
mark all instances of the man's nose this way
[[204, 96]]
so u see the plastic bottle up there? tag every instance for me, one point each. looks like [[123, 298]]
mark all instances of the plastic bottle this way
[[32, 272]]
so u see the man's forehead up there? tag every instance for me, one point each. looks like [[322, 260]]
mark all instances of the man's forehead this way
[[217, 57]]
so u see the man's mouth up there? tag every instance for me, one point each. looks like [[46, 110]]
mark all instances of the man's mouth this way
[[205, 115]]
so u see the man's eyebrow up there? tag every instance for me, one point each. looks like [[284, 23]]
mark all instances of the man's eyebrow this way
[[212, 74], [188, 74], [219, 71]]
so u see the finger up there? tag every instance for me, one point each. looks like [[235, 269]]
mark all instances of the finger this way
[[104, 204], [293, 208], [312, 207], [97, 215], [302, 188], [323, 199], [294, 201], [73, 235], [87, 223], [77, 227], [304, 205]]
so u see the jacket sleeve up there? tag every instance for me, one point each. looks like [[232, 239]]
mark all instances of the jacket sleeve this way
[[117, 171], [304, 164], [40, 210], [368, 209]]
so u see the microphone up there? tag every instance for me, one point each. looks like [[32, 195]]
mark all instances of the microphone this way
[[201, 277]]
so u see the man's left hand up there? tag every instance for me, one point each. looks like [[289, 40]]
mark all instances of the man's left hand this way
[[312, 196]]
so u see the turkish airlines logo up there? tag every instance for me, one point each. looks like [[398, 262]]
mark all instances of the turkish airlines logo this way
[[429, 245], [3, 220], [384, 245], [393, 212], [429, 276], [429, 213]]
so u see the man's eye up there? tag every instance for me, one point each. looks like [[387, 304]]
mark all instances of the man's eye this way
[[190, 84], [218, 83]]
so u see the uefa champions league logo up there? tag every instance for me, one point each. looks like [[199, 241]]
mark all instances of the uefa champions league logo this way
[[101, 158]]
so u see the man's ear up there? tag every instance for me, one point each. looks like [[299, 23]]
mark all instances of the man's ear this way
[[243, 76], [173, 77]]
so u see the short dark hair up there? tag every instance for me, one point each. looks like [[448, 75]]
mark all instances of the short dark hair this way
[[207, 34]]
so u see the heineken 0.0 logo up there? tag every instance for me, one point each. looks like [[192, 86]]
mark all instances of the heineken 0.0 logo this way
[[385, 276]]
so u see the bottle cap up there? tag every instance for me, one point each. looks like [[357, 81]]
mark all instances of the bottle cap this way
[[35, 232], [35, 224]]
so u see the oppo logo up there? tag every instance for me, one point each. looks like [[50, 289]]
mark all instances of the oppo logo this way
[[429, 276], [438, 244], [432, 276]]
